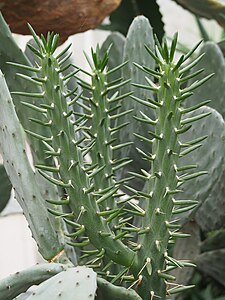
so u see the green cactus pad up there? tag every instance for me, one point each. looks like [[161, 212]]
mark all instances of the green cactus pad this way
[[48, 190], [116, 41], [29, 54], [20, 171], [123, 16], [212, 264], [73, 284], [211, 214], [13, 53], [10, 52], [211, 62], [210, 157], [139, 34], [187, 249], [17, 283]]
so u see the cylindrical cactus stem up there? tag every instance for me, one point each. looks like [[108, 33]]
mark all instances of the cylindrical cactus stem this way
[[69, 155], [72, 172], [164, 180], [101, 153], [14, 152], [101, 130], [161, 181]]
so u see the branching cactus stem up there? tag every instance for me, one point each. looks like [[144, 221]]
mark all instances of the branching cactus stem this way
[[66, 149], [102, 222]]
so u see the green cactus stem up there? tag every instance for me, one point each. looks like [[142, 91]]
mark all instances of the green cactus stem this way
[[109, 291], [10, 52], [164, 180], [65, 145], [101, 220], [20, 171]]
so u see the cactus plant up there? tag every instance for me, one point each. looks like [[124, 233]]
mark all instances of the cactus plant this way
[[11, 130], [202, 188], [212, 62], [139, 32], [10, 52], [83, 159]]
